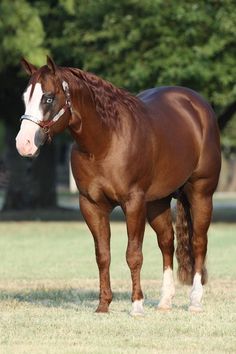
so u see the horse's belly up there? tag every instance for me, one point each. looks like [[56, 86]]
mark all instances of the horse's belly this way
[[167, 180], [159, 191]]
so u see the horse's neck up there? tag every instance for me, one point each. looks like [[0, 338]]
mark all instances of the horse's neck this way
[[86, 127]]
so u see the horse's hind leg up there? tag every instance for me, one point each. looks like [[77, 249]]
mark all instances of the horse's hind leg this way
[[159, 217], [200, 197]]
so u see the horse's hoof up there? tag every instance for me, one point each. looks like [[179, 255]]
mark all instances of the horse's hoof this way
[[137, 308], [137, 314], [102, 310], [165, 304], [195, 308], [164, 308]]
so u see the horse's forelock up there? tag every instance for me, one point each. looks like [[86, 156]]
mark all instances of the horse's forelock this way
[[40, 76]]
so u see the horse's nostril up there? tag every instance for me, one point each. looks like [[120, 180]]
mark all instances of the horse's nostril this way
[[27, 142]]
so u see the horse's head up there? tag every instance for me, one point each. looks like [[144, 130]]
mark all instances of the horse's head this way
[[47, 108]]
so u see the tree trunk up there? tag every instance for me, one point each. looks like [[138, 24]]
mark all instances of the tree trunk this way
[[31, 182], [232, 181], [226, 116]]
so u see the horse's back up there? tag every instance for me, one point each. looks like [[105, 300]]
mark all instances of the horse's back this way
[[176, 106], [177, 99]]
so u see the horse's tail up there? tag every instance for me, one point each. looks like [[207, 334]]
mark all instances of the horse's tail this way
[[184, 233]]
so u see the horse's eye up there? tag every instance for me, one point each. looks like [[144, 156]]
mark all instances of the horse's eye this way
[[49, 100]]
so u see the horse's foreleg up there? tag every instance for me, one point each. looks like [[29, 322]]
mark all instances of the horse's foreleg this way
[[97, 219], [135, 212], [159, 217]]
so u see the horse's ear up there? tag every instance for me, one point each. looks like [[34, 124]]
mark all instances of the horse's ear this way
[[51, 64], [28, 67]]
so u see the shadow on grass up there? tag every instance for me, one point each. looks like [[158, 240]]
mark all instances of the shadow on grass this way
[[65, 298], [74, 299], [221, 213]]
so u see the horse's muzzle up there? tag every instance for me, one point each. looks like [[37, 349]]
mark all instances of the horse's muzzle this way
[[29, 139]]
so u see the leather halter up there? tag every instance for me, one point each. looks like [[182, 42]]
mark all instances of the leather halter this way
[[45, 125]]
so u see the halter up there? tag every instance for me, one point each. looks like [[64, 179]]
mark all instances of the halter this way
[[47, 124]]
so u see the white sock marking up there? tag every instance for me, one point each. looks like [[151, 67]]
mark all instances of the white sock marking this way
[[196, 293], [137, 308], [167, 290]]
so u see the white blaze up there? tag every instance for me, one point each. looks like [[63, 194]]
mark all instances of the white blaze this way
[[32, 104], [30, 136]]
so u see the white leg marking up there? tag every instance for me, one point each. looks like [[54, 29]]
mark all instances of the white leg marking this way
[[196, 294], [137, 308], [167, 290]]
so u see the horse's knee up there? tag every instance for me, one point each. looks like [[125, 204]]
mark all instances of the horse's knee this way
[[103, 260], [134, 258], [166, 242]]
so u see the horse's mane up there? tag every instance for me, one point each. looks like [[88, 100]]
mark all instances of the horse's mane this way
[[108, 99]]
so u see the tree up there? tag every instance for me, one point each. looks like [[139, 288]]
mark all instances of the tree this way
[[141, 44], [21, 34]]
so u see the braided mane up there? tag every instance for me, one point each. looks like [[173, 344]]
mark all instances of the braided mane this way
[[108, 99]]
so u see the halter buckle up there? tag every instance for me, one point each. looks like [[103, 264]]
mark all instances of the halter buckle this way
[[65, 87]]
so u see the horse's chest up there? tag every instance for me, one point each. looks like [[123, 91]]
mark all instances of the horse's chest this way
[[91, 180], [97, 189]]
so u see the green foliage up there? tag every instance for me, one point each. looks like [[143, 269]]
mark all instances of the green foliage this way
[[155, 42], [21, 33], [228, 137]]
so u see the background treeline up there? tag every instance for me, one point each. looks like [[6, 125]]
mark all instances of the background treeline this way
[[136, 44]]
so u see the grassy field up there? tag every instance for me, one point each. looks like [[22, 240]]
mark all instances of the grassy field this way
[[48, 294]]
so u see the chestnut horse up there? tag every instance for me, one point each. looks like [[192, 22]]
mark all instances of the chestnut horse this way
[[136, 152]]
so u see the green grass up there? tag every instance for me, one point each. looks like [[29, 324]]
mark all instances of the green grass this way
[[49, 291]]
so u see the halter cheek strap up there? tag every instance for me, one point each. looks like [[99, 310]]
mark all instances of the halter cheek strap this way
[[47, 124]]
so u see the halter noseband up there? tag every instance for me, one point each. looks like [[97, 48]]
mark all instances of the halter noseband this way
[[47, 124]]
